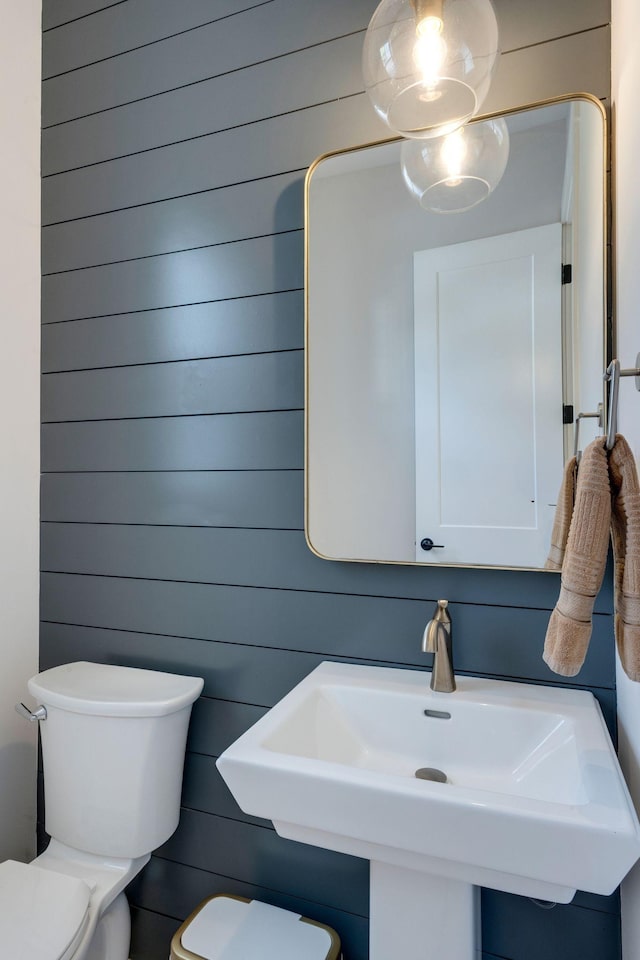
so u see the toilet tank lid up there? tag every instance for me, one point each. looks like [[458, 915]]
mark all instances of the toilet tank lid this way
[[113, 691]]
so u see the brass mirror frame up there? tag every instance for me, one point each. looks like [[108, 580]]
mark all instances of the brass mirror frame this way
[[606, 306]]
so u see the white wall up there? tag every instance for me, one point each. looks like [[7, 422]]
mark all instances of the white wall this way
[[19, 406], [625, 87]]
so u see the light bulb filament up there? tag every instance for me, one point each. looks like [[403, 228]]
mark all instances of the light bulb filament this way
[[430, 53], [429, 24], [453, 154]]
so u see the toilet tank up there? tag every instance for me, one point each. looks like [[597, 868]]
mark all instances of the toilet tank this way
[[113, 747]]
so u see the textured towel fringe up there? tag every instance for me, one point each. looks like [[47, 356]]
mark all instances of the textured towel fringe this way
[[607, 502], [584, 560]]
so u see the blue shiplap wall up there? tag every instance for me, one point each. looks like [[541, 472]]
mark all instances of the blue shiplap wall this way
[[175, 142]]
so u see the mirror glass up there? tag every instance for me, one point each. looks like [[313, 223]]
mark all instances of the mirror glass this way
[[448, 355]]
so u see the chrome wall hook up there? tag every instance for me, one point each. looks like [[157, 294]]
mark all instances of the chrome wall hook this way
[[585, 416], [612, 375]]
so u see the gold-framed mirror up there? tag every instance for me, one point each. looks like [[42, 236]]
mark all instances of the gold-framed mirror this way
[[448, 355]]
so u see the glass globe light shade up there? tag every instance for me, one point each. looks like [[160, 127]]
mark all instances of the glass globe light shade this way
[[428, 64], [455, 172]]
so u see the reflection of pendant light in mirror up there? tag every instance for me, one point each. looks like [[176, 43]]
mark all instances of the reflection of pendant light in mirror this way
[[453, 173], [428, 64]]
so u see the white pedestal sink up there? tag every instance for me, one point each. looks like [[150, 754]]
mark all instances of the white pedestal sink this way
[[534, 803]]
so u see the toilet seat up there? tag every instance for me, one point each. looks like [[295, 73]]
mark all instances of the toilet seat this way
[[43, 914]]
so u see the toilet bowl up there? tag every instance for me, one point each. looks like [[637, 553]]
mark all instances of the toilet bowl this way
[[113, 742]]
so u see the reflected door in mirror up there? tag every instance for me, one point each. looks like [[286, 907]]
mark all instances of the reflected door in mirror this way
[[488, 397]]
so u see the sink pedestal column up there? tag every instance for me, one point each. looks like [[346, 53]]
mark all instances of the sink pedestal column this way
[[418, 916]]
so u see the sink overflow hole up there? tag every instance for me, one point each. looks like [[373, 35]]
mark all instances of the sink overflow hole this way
[[430, 773], [438, 714]]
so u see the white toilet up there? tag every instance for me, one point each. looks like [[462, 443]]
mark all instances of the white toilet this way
[[113, 742]]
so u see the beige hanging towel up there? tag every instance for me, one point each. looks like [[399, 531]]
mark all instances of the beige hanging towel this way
[[583, 565], [562, 519], [625, 535]]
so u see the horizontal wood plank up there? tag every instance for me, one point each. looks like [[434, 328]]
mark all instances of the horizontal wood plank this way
[[243, 441], [263, 32], [226, 328], [241, 673], [119, 28], [295, 81], [522, 24], [56, 13], [518, 928], [236, 672], [268, 148], [256, 35], [151, 934], [215, 724], [592, 901], [266, 381], [240, 269], [293, 141], [245, 851], [489, 640], [262, 207], [203, 789], [229, 498], [576, 64], [237, 556]]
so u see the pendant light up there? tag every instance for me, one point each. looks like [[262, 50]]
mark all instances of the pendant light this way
[[428, 64], [455, 172]]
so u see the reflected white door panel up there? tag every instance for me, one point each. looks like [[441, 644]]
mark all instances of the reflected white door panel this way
[[488, 391]]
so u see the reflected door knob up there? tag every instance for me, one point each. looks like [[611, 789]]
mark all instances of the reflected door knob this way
[[428, 544]]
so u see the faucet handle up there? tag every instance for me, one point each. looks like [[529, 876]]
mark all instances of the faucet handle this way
[[440, 621], [442, 614]]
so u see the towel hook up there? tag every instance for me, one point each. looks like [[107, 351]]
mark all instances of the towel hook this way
[[585, 416], [613, 374]]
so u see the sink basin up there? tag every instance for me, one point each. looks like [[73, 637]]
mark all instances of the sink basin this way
[[534, 801], [487, 743]]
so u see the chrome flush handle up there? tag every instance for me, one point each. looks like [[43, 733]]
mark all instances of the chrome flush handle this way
[[39, 714]]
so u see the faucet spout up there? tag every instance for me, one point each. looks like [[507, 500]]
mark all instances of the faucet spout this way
[[437, 640]]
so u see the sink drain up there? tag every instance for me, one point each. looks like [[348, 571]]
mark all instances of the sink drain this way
[[431, 773]]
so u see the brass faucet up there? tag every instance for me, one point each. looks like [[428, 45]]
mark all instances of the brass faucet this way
[[437, 640]]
